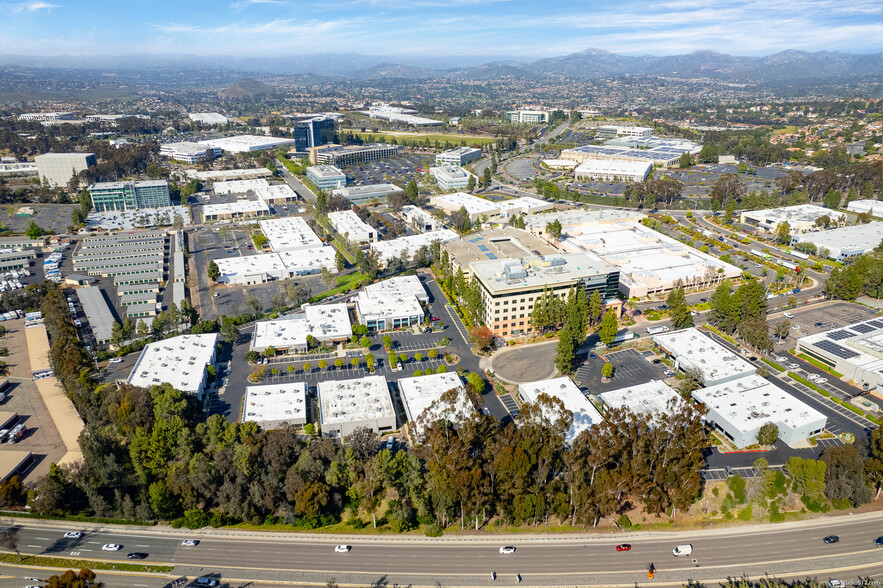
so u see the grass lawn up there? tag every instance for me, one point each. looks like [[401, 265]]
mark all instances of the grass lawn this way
[[786, 131], [344, 283], [76, 564]]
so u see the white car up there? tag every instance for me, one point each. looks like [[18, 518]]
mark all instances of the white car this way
[[788, 315], [506, 549], [793, 366], [111, 547], [342, 549], [821, 380], [189, 543], [73, 535], [115, 360]]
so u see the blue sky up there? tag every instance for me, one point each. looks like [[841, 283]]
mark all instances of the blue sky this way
[[492, 28]]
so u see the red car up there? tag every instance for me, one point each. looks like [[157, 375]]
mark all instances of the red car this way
[[623, 547]]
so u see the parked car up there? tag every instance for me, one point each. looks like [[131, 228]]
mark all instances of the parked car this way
[[789, 315]]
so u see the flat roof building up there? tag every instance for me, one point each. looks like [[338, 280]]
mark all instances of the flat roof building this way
[[457, 157], [572, 221], [46, 116], [18, 168], [494, 244], [584, 412], [846, 242], [347, 405], [189, 152], [527, 116], [247, 143], [419, 219], [523, 205], [450, 177], [240, 186], [391, 304], [510, 287], [97, 313], [277, 194], [800, 218], [289, 233], [57, 169], [327, 323], [348, 225], [180, 361], [653, 398], [235, 210], [402, 115], [602, 170], [739, 408], [248, 270], [326, 177], [208, 118], [374, 193], [856, 351], [344, 155], [614, 131], [474, 205], [694, 350], [409, 245], [275, 405], [229, 174], [432, 397], [872, 207], [130, 195], [665, 156], [143, 218]]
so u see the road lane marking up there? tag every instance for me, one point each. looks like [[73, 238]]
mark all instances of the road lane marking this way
[[41, 538]]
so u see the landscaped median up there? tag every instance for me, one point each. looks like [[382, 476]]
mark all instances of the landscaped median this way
[[76, 564]]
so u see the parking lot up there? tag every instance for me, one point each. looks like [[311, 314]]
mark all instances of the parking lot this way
[[630, 368], [398, 170], [56, 217], [825, 318]]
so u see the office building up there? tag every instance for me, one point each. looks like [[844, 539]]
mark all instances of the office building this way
[[349, 226], [274, 406], [130, 195], [492, 244], [235, 210], [289, 233], [856, 351], [189, 152], [208, 118], [229, 174], [419, 219], [613, 131], [180, 361], [739, 408], [575, 402], [18, 168], [347, 405], [240, 186], [371, 194], [402, 115], [408, 246], [846, 242], [602, 170], [523, 205], [872, 207], [457, 157], [314, 132], [57, 169], [328, 324], [654, 399], [277, 194], [391, 304], [475, 207], [527, 116], [450, 177], [691, 349], [662, 156], [432, 397], [510, 287], [326, 177], [247, 270], [801, 218], [247, 143], [46, 116], [345, 155]]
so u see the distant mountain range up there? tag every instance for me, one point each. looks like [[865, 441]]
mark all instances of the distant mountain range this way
[[590, 63]]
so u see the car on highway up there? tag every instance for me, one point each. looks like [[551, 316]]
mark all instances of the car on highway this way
[[680, 550], [73, 535], [831, 539], [111, 547], [115, 360], [342, 549], [507, 549], [878, 541], [189, 543], [623, 547], [137, 555], [205, 581]]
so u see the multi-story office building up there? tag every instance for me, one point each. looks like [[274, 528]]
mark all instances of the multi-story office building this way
[[314, 132], [458, 156], [326, 177], [130, 195], [343, 155], [511, 287], [189, 152], [527, 116], [348, 225], [613, 131], [370, 194], [450, 177], [57, 169], [46, 116]]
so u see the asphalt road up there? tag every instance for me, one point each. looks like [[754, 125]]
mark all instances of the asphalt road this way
[[467, 561]]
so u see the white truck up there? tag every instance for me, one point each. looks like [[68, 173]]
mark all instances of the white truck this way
[[657, 330], [682, 550]]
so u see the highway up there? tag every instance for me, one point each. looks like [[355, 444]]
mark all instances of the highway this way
[[774, 549]]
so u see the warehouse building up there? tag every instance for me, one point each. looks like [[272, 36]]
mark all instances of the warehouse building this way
[[846, 242], [289, 233], [662, 156], [523, 205], [57, 169], [180, 361], [143, 218], [247, 143], [801, 218], [391, 304], [653, 398], [692, 349], [97, 313], [345, 155], [277, 194], [235, 210], [248, 270], [457, 157], [21, 242], [189, 152], [327, 324], [450, 177], [371, 194], [494, 244], [326, 177], [408, 246], [229, 174], [347, 405], [18, 168], [208, 118], [348, 225], [240, 186], [856, 351], [274, 406], [872, 207], [46, 116], [510, 287], [739, 408], [419, 219], [584, 412], [130, 195], [602, 170], [475, 206], [432, 397], [14, 260], [402, 115]]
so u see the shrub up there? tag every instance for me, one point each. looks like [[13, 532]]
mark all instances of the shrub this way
[[745, 513], [624, 521], [310, 429], [433, 530]]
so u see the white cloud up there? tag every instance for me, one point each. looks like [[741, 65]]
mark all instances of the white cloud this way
[[33, 6], [241, 5]]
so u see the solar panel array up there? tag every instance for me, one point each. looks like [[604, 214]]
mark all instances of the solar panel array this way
[[878, 324], [834, 349], [840, 335], [863, 328]]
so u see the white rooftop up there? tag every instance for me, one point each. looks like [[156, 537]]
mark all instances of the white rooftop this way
[[652, 398], [347, 401], [610, 166], [347, 221], [578, 216], [859, 344], [694, 349], [325, 171], [240, 186], [212, 175], [180, 361], [395, 248], [751, 402], [855, 239], [807, 213], [289, 233], [524, 204], [381, 304], [474, 205], [241, 143], [277, 264], [553, 163], [875, 207], [185, 148], [208, 118], [276, 192], [324, 322], [421, 392], [238, 207], [137, 219], [399, 286], [584, 412], [275, 404]]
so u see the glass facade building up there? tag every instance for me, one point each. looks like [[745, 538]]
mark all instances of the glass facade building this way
[[129, 195]]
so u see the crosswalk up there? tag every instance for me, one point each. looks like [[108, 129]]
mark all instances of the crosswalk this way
[[458, 324]]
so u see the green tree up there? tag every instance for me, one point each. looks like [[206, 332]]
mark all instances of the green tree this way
[[685, 161], [607, 370], [553, 228], [214, 272], [411, 193], [565, 354], [34, 231], [609, 327], [470, 184], [594, 310], [365, 342], [679, 312], [767, 434], [486, 178], [783, 232], [339, 261]]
